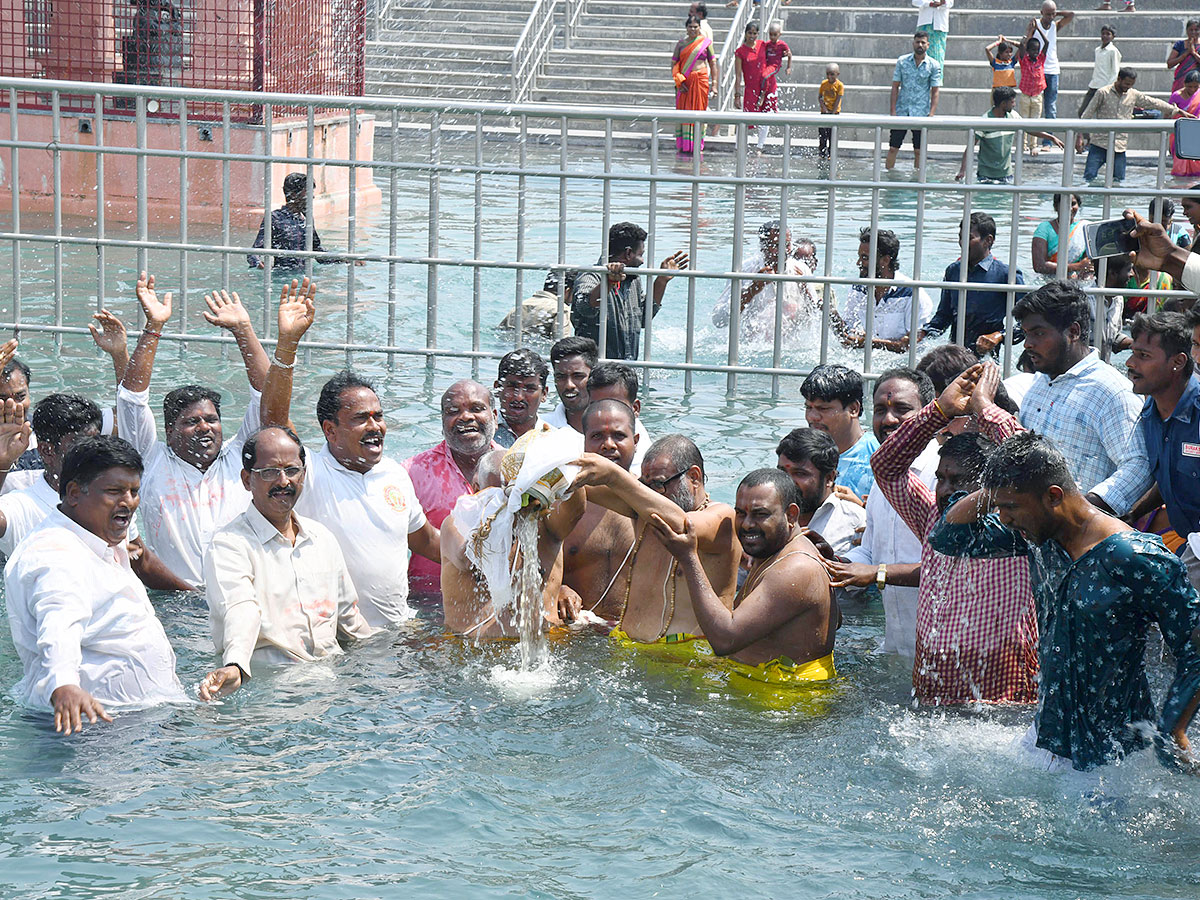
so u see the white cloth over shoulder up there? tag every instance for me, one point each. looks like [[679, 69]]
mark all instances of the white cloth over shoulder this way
[[491, 551], [79, 616]]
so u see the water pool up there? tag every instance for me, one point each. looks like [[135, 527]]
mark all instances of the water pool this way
[[412, 767]]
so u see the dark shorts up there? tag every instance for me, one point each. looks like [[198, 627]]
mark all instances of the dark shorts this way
[[896, 138]]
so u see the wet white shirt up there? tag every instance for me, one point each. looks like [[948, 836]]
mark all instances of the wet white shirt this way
[[371, 514], [272, 602], [80, 616], [889, 540], [26, 509], [838, 520], [181, 506], [558, 419]]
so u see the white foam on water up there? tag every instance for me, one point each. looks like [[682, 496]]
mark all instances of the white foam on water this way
[[524, 684]]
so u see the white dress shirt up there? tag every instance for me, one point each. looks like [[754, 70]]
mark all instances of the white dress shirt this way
[[371, 514], [838, 520], [79, 616], [889, 540], [893, 311], [557, 418], [273, 602], [182, 506], [937, 16], [26, 509]]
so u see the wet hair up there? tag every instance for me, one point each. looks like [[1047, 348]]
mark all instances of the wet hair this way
[[575, 346], [59, 415], [833, 382], [1062, 303], [692, 20], [970, 450], [177, 402], [250, 448], [1003, 94], [919, 379], [522, 363], [608, 403], [1028, 463], [984, 225], [14, 365], [679, 450], [800, 248], [329, 403], [90, 457], [295, 185], [1173, 331], [624, 236], [1126, 72], [946, 362], [785, 488], [767, 229], [608, 373], [886, 243], [810, 445], [1057, 199]]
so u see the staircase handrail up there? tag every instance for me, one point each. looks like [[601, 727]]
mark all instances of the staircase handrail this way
[[575, 9], [532, 47], [768, 10]]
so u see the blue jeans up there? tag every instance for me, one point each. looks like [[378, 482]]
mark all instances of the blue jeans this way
[[1097, 157], [1050, 101]]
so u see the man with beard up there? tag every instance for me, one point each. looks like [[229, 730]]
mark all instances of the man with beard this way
[[277, 585], [443, 473], [521, 383], [81, 622], [976, 624], [191, 486], [655, 599], [364, 498], [810, 458], [1098, 585], [782, 624], [890, 554], [600, 540]]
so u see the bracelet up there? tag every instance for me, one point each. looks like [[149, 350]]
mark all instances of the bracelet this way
[[938, 407], [276, 361], [156, 334], [881, 576]]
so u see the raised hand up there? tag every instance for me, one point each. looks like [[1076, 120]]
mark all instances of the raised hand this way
[[956, 398], [678, 544], [7, 351], [677, 260], [108, 332], [225, 310], [14, 433], [296, 309], [158, 312], [985, 389]]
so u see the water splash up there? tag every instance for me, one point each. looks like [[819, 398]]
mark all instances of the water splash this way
[[528, 587]]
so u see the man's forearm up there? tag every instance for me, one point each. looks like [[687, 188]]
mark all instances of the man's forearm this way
[[277, 387], [715, 620], [254, 357], [141, 364], [154, 574]]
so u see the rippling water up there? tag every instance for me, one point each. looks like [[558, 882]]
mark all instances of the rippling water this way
[[418, 766]]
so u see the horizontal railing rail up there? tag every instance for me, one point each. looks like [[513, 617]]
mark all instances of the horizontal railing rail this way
[[443, 144]]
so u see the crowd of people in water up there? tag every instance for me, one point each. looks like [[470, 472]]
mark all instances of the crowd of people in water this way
[[1022, 535]]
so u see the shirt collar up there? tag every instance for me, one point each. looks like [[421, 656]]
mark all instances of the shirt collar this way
[[265, 531], [1082, 367], [986, 263], [1188, 401], [102, 548]]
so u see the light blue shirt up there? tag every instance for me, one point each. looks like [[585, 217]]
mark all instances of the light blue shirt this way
[[854, 466], [915, 84]]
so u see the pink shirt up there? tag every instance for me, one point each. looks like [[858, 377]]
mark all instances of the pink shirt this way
[[438, 483]]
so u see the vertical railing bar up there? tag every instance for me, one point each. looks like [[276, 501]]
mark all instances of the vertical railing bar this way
[[143, 227], [689, 352], [827, 289], [351, 228], [964, 265], [784, 252], [1100, 319], [393, 233], [56, 139], [477, 273], [1011, 297], [914, 322], [651, 253], [602, 337], [872, 251], [101, 250], [739, 235], [268, 223], [522, 187], [226, 143], [15, 184], [310, 146], [435, 205], [183, 222], [560, 315]]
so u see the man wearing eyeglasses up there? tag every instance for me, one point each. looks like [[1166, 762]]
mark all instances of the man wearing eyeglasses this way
[[277, 585]]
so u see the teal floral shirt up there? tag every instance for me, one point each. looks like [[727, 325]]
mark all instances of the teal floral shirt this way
[[1093, 615]]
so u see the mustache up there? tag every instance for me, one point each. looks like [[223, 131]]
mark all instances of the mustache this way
[[282, 491]]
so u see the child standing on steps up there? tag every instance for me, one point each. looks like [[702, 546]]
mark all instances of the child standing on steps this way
[[1004, 67], [829, 98], [1032, 86]]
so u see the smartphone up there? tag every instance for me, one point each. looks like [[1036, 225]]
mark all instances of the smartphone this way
[[1187, 138], [1109, 238]]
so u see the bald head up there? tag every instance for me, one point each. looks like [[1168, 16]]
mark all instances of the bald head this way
[[468, 418], [487, 471], [1049, 9]]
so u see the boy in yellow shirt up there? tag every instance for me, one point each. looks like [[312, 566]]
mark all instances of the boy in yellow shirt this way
[[829, 96]]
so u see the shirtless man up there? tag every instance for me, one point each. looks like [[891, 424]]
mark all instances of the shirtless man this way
[[466, 601], [783, 618], [599, 545], [656, 603]]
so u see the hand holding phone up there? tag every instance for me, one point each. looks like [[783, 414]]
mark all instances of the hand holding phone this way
[[1110, 238]]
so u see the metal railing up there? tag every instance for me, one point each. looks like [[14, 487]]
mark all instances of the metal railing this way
[[766, 11], [574, 12], [532, 47], [581, 201]]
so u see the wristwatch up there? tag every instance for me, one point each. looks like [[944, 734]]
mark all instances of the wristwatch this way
[[881, 576]]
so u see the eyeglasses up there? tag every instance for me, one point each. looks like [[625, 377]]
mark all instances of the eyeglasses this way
[[274, 473], [660, 485]]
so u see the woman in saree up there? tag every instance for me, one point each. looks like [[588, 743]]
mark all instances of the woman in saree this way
[[1045, 244], [694, 68], [1187, 98], [751, 58], [1185, 55]]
